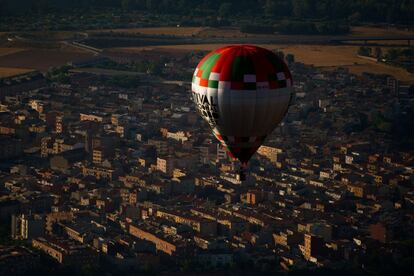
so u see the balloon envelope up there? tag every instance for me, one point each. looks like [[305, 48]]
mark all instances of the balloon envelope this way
[[243, 92]]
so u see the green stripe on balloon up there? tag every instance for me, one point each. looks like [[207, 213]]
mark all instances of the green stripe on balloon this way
[[208, 65], [213, 84], [237, 72]]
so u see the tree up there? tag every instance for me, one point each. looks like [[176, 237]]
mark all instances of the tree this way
[[364, 51], [290, 58], [297, 8], [270, 7], [154, 68], [378, 52], [152, 5], [392, 54], [126, 4], [278, 8], [304, 8], [355, 17], [225, 9]]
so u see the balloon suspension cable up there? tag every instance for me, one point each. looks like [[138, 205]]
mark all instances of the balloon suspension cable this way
[[242, 172]]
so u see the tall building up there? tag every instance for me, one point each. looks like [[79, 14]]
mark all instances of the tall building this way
[[313, 246], [204, 154], [161, 146], [165, 165], [97, 156], [221, 152], [27, 227], [88, 140], [393, 85], [65, 252], [136, 105], [269, 152], [45, 144], [50, 118], [59, 123], [57, 145], [55, 217], [107, 143], [254, 197], [37, 105]]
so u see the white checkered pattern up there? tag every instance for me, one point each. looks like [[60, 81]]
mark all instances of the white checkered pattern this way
[[214, 76], [224, 85]]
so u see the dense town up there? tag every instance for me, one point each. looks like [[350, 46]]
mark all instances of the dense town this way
[[93, 173]]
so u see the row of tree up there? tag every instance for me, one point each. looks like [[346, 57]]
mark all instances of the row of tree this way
[[391, 55], [308, 27], [299, 27], [391, 11]]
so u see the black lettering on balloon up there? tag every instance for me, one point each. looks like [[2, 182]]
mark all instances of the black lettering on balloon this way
[[207, 107]]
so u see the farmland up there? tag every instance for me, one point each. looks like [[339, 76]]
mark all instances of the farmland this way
[[17, 60], [11, 71], [376, 31], [323, 56], [8, 51], [314, 50], [41, 59]]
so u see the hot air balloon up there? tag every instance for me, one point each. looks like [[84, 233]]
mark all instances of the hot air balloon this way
[[243, 92]]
